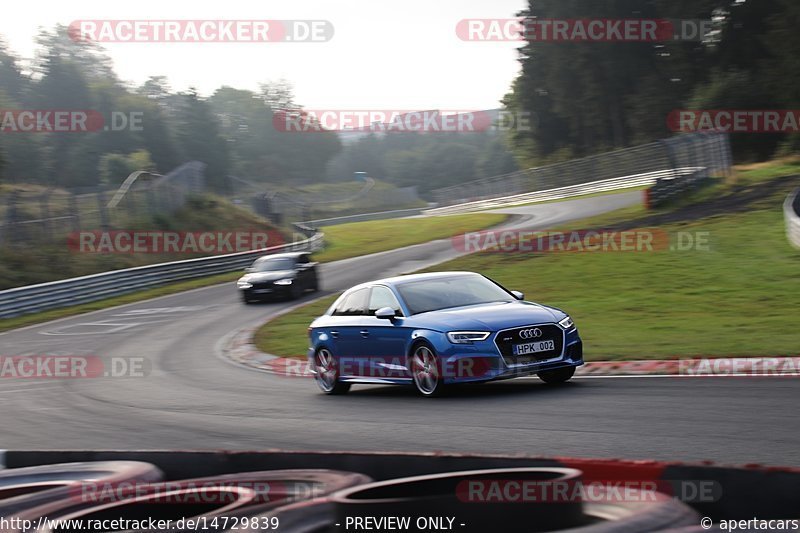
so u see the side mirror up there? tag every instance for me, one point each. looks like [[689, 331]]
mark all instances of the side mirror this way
[[386, 313], [518, 295], [249, 269]]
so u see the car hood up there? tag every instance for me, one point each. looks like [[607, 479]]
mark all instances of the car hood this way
[[258, 277], [493, 316]]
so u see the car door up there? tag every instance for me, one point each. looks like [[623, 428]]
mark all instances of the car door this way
[[386, 340], [346, 329], [301, 272]]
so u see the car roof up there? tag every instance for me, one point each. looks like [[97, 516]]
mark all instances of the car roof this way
[[287, 255], [415, 277]]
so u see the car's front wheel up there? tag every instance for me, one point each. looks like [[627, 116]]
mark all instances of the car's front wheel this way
[[425, 371], [327, 373], [559, 375]]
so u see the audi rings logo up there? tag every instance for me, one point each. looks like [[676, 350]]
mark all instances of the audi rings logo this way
[[534, 333]]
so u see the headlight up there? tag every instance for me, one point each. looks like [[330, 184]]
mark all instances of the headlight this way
[[285, 281], [567, 323], [467, 337], [243, 284]]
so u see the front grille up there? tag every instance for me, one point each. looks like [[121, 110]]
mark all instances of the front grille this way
[[507, 338]]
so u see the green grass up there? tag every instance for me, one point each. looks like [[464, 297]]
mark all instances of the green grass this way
[[758, 172], [738, 298], [361, 238], [286, 335]]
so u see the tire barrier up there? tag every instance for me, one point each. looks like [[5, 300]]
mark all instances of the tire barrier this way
[[232, 497], [25, 488], [427, 510], [449, 494], [598, 496], [542, 499]]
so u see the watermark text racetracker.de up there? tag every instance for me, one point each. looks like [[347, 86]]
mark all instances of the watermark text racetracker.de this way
[[171, 242], [740, 366], [68, 121], [201, 31], [605, 491], [195, 491], [401, 121], [47, 366], [548, 241], [735, 120], [583, 30]]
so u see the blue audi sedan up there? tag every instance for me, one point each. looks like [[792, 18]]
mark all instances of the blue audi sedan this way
[[437, 329]]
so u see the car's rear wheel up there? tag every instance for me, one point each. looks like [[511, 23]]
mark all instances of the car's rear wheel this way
[[295, 291], [327, 373], [425, 371], [559, 375]]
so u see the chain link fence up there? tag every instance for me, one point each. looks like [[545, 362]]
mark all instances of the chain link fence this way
[[48, 216], [696, 155], [289, 205]]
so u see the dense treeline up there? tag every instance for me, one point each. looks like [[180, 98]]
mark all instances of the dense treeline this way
[[594, 96], [587, 97], [231, 131], [427, 161]]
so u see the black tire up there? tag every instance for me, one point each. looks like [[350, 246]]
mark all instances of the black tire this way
[[295, 291], [559, 375], [315, 284], [326, 373], [26, 488], [245, 299], [425, 370]]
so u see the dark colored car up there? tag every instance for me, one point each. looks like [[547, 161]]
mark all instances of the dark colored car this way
[[286, 275], [436, 329]]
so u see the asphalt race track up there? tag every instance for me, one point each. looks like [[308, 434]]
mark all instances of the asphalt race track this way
[[193, 399]]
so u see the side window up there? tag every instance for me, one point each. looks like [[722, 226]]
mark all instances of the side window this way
[[353, 304], [382, 297]]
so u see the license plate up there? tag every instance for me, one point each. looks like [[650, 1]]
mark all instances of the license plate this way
[[262, 291], [534, 347]]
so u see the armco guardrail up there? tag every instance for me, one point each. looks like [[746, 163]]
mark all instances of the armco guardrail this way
[[668, 187], [55, 294], [623, 182], [791, 212], [362, 217]]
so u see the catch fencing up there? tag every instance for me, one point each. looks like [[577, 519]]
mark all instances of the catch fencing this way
[[287, 205], [47, 216], [671, 166]]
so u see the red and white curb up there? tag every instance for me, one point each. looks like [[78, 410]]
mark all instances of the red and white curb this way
[[240, 349]]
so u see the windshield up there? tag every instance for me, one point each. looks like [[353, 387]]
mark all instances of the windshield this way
[[273, 265], [457, 291]]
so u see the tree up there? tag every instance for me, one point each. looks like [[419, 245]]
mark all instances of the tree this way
[[198, 138]]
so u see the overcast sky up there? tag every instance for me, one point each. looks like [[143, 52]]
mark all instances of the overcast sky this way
[[384, 55]]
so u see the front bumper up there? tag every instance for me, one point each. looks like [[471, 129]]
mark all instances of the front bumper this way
[[263, 292], [483, 362]]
